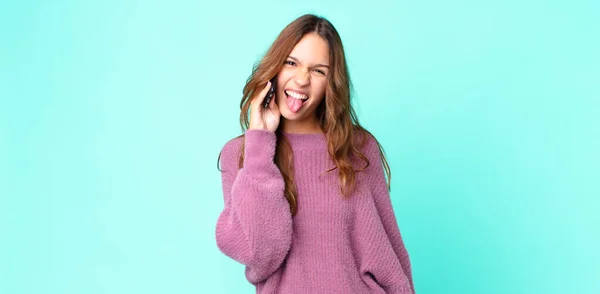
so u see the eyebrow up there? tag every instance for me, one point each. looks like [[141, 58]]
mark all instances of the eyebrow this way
[[317, 65]]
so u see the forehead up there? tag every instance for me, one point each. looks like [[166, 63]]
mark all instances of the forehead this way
[[312, 49]]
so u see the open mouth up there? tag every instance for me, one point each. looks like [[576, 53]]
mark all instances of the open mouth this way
[[295, 95], [294, 100]]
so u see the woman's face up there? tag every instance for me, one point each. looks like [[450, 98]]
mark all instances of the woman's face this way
[[304, 76]]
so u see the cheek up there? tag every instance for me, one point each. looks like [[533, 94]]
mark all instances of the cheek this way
[[320, 92], [321, 88], [284, 75]]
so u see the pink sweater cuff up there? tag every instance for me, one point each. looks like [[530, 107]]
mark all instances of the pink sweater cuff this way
[[259, 151]]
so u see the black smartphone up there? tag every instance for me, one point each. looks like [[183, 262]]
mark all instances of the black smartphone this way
[[269, 94]]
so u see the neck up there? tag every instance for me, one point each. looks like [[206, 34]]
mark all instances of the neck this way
[[306, 127]]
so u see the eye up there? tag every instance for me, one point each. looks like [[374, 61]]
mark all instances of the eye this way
[[290, 62], [320, 71]]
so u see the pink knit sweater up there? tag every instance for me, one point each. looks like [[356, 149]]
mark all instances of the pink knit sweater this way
[[332, 245]]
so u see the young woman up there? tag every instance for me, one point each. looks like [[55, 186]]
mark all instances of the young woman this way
[[307, 207]]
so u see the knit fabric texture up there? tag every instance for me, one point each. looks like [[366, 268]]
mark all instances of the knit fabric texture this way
[[332, 244]]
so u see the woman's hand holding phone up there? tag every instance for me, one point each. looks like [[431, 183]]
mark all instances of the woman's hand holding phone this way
[[264, 117]]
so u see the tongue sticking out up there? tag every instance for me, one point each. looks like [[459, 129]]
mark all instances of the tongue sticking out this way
[[293, 103]]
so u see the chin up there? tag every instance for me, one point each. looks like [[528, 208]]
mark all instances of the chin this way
[[289, 115]]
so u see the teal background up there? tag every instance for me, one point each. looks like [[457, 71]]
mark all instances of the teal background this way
[[113, 113]]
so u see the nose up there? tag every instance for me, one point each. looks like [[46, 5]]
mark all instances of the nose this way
[[302, 78]]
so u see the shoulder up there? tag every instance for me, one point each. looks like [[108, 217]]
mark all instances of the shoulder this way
[[231, 152], [366, 151], [233, 145], [368, 144], [377, 167]]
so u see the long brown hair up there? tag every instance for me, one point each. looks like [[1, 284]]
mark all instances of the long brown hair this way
[[335, 114]]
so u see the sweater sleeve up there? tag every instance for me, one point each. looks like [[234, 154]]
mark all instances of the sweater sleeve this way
[[391, 265], [255, 226]]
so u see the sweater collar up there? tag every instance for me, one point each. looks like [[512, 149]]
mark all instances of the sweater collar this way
[[307, 141]]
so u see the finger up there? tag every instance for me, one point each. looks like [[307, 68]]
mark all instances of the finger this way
[[263, 93], [272, 105]]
